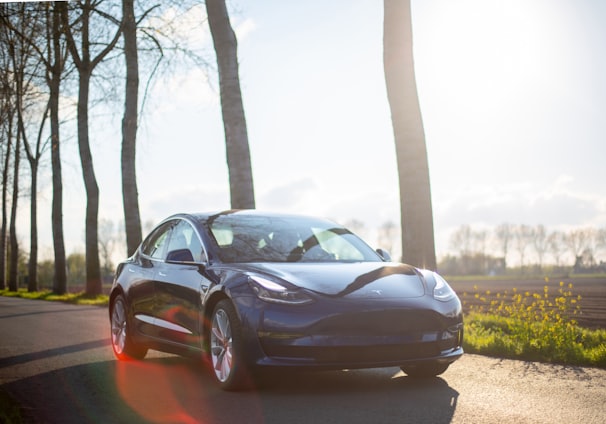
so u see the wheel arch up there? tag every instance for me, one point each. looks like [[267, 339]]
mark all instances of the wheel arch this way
[[209, 307], [116, 291]]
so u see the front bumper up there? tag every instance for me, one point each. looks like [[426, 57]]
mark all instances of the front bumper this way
[[357, 338]]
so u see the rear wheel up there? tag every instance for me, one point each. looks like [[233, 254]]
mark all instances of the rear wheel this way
[[124, 347], [226, 348], [430, 369]]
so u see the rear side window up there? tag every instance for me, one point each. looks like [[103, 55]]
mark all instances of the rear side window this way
[[223, 234]]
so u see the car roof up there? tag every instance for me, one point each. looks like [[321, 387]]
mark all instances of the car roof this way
[[205, 216]]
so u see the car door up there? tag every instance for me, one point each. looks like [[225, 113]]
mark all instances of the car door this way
[[180, 285], [142, 274]]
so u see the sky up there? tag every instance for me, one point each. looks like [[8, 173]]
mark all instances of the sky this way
[[512, 96]]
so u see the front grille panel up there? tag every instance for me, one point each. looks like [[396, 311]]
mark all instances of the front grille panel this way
[[357, 354]]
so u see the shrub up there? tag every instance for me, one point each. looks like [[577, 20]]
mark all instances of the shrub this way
[[532, 326]]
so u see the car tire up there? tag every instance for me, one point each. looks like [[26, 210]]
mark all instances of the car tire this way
[[427, 370], [122, 343], [225, 348]]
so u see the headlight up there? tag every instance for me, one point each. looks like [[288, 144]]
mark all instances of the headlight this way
[[271, 291], [442, 291]]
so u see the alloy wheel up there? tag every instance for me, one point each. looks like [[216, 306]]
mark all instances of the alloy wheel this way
[[221, 347], [118, 325]]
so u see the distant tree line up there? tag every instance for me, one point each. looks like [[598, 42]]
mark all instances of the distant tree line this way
[[524, 249]]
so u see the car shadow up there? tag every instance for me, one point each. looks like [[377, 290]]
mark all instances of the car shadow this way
[[63, 350], [178, 390]]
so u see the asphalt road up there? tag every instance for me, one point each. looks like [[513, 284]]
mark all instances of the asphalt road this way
[[56, 360]]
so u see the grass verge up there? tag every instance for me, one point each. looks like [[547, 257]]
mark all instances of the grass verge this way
[[532, 326], [80, 298]]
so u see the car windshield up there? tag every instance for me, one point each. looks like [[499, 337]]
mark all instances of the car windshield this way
[[252, 238]]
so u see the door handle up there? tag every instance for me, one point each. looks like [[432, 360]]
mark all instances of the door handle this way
[[161, 274]]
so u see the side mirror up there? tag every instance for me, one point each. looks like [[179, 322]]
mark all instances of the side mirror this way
[[179, 256], [384, 254]]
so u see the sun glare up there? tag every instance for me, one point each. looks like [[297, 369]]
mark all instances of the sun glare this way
[[482, 59]]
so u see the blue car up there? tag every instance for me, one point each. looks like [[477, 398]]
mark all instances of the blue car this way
[[247, 290]]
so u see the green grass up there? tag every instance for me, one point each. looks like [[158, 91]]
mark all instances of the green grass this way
[[532, 326], [80, 298]]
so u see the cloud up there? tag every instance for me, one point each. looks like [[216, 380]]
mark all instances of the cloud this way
[[186, 199], [243, 28], [290, 196], [189, 27], [554, 205], [186, 90]]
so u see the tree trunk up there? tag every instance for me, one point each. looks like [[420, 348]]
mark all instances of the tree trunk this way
[[130, 193], [33, 157], [93, 266], [13, 283], [3, 230], [54, 84], [234, 121], [418, 246], [32, 282]]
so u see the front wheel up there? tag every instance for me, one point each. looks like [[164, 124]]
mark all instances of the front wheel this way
[[427, 370], [124, 347], [226, 347]]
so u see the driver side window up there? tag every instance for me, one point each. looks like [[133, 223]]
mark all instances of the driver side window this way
[[155, 245], [185, 239]]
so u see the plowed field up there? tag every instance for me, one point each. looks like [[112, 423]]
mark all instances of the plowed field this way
[[592, 292]]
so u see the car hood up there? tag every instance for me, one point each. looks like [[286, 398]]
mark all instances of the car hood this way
[[368, 280]]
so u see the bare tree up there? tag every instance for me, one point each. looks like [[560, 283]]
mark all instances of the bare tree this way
[[540, 242], [86, 61], [5, 163], [6, 139], [13, 261], [461, 241], [8, 120], [503, 235], [555, 243], [31, 105], [522, 237], [418, 245], [13, 77], [601, 239], [577, 241], [49, 53], [108, 241], [55, 65], [130, 192], [481, 241], [595, 241], [387, 236], [234, 121]]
